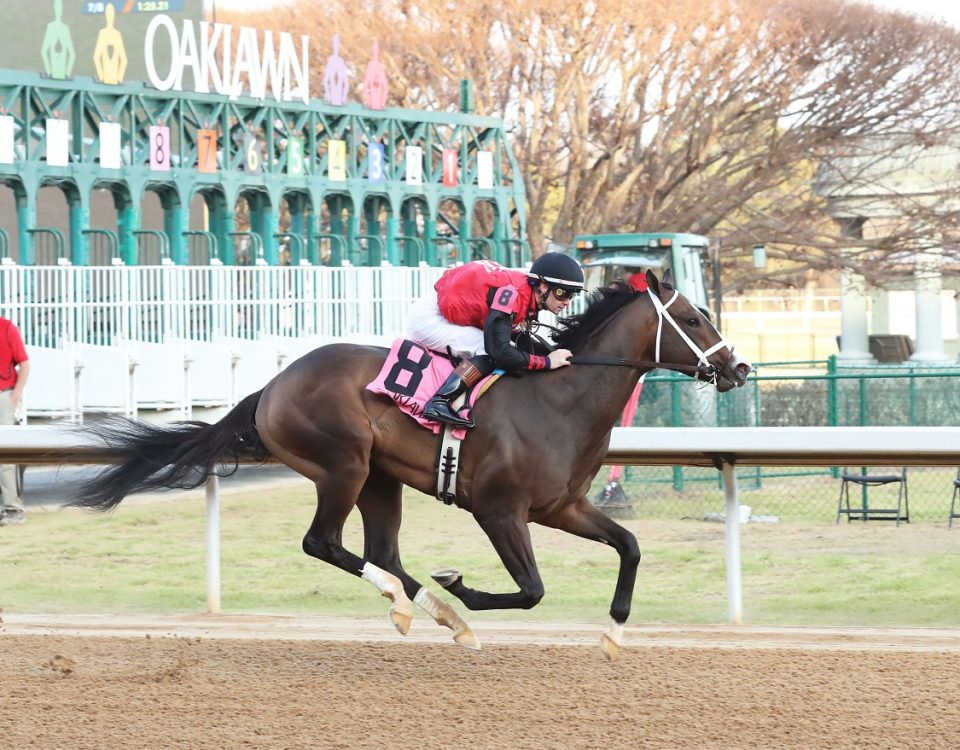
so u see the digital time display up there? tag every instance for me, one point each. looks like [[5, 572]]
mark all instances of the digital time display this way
[[96, 7]]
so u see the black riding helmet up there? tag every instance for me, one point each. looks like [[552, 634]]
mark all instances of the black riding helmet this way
[[557, 269]]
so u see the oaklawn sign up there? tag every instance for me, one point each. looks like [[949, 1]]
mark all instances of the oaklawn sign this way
[[269, 64]]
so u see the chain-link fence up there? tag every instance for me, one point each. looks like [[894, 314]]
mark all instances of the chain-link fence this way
[[791, 394]]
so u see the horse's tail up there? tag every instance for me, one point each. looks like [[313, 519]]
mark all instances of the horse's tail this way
[[182, 455]]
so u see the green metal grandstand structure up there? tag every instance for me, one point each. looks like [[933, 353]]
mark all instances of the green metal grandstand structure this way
[[278, 156]]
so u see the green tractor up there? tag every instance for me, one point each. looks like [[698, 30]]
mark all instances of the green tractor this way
[[606, 257]]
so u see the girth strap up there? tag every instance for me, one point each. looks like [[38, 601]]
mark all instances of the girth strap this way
[[448, 458], [448, 463]]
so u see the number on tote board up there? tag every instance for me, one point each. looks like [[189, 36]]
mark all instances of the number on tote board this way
[[207, 151]]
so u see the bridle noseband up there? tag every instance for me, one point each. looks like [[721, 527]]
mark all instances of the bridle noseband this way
[[662, 314], [704, 370]]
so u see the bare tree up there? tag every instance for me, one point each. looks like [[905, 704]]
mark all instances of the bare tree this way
[[737, 119]]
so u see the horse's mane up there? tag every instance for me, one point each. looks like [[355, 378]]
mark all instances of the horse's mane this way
[[604, 302]]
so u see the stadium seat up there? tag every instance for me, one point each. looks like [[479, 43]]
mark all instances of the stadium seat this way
[[863, 511], [52, 393], [106, 379]]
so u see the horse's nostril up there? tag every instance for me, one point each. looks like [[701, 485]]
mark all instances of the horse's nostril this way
[[743, 369]]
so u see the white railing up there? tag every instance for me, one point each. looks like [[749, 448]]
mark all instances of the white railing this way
[[788, 301], [58, 305], [173, 338], [722, 447]]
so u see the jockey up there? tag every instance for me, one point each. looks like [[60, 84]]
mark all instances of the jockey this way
[[476, 309]]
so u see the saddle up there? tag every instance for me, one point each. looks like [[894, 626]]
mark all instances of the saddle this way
[[410, 376]]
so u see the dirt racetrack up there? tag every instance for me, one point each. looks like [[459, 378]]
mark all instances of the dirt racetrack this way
[[97, 683]]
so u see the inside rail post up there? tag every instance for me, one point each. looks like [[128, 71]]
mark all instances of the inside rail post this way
[[213, 544], [732, 497]]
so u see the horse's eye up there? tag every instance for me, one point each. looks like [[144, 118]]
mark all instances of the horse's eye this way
[[693, 322]]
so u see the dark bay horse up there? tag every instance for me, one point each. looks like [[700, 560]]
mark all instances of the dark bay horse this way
[[538, 443]]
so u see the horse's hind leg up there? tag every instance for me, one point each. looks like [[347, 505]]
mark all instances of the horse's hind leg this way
[[336, 497], [380, 503]]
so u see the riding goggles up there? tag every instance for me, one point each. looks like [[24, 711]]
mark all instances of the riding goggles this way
[[563, 293]]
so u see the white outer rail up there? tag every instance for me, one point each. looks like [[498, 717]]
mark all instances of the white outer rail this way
[[721, 447]]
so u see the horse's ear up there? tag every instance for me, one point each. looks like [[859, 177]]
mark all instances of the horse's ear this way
[[653, 283], [668, 278]]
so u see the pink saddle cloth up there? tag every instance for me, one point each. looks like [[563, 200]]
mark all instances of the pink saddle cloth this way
[[412, 374]]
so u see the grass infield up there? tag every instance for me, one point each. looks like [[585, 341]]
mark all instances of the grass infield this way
[[148, 557]]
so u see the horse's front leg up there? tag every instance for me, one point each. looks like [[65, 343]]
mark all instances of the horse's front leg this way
[[583, 520], [510, 537], [380, 503]]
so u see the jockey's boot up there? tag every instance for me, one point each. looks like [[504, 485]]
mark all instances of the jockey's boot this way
[[464, 376]]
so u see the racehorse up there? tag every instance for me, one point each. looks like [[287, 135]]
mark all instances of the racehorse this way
[[538, 443]]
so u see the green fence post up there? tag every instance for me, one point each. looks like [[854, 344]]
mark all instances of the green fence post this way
[[863, 423], [832, 391], [392, 252], [430, 242], [313, 243], [79, 216], [175, 222], [26, 220], [832, 401], [863, 401], [270, 224], [128, 222], [912, 396]]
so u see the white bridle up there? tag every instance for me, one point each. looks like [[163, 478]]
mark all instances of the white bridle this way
[[662, 315]]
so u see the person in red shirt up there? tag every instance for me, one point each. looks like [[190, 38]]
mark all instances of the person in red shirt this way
[[613, 493], [14, 371], [478, 307]]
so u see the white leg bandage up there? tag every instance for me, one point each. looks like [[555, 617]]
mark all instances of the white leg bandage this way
[[433, 606], [387, 583], [616, 632], [445, 615]]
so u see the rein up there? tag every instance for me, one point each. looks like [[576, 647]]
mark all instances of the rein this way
[[703, 370]]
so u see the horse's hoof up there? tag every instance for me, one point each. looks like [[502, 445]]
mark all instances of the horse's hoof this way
[[446, 577], [401, 618], [610, 648], [468, 639]]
